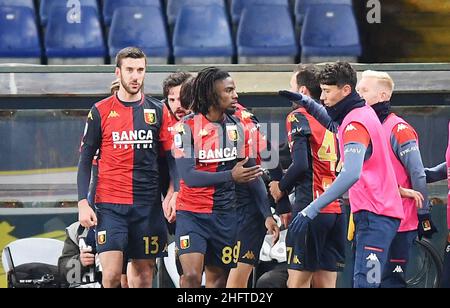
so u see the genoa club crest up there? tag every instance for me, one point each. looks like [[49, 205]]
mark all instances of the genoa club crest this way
[[150, 116], [232, 133], [185, 242], [101, 237]]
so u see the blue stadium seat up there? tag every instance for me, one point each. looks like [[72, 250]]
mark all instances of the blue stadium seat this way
[[19, 38], [202, 35], [21, 3], [110, 5], [74, 43], [143, 27], [46, 7], [266, 35], [174, 7], [330, 33], [302, 5], [238, 6]]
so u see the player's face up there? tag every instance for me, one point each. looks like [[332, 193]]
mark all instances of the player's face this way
[[228, 97], [369, 89], [132, 74], [174, 102], [331, 95]]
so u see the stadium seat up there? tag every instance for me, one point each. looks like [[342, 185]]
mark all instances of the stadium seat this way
[[110, 5], [330, 33], [174, 7], [46, 7], [238, 6], [302, 5], [74, 43], [22, 259], [202, 35], [19, 37], [266, 35], [21, 3], [143, 27]]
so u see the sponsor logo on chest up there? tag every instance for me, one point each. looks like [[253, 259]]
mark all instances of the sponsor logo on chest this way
[[135, 139], [218, 155]]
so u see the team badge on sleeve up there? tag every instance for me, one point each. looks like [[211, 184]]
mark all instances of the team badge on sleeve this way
[[101, 237], [150, 116], [185, 242]]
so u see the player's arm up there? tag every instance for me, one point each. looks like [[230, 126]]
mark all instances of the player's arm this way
[[89, 146], [437, 173], [405, 146], [259, 192], [283, 205], [166, 141], [356, 143], [314, 108], [299, 130]]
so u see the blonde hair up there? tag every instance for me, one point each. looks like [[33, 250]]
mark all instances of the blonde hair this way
[[383, 78]]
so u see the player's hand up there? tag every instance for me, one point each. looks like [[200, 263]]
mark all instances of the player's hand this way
[[426, 227], [411, 193], [300, 224], [86, 215], [292, 96], [272, 228], [242, 174], [86, 257], [173, 208], [286, 219], [275, 191], [166, 204]]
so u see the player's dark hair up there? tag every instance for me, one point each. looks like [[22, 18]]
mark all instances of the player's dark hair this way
[[186, 96], [308, 76], [174, 80], [129, 52], [204, 89], [338, 74]]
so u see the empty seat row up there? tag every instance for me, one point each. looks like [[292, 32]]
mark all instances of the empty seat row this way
[[173, 6], [202, 34]]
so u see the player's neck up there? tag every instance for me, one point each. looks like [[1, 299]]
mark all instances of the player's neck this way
[[214, 115], [124, 96]]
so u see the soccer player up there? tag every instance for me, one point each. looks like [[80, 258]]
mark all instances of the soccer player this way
[[128, 129], [208, 146], [314, 159], [376, 89], [367, 173], [253, 220], [439, 173], [171, 92]]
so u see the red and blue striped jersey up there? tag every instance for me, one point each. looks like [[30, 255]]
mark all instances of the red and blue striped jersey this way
[[129, 139]]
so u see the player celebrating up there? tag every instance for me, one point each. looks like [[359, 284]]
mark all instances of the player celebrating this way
[[128, 129], [367, 173], [376, 88], [207, 148], [314, 159]]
